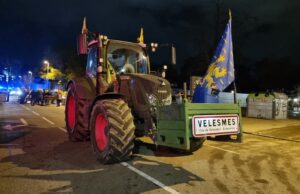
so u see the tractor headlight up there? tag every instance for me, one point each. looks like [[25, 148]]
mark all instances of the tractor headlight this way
[[152, 100]]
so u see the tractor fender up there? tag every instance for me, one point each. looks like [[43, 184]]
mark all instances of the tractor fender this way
[[84, 86], [108, 96]]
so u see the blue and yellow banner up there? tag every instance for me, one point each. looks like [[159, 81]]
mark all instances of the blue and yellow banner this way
[[220, 73]]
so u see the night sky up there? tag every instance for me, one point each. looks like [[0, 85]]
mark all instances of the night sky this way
[[265, 33]]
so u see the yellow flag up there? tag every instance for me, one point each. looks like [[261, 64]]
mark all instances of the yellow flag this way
[[111, 75], [84, 28], [141, 38]]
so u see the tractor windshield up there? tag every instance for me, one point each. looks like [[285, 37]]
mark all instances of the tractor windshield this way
[[126, 58]]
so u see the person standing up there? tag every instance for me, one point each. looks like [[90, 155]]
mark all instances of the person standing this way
[[59, 97], [40, 97]]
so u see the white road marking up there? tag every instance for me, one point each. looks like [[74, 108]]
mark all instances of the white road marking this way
[[125, 164], [37, 114], [153, 180], [27, 108], [233, 152], [11, 127], [24, 121], [63, 129], [48, 121], [8, 127]]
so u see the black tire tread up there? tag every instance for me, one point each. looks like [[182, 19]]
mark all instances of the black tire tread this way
[[81, 131], [121, 130], [196, 144]]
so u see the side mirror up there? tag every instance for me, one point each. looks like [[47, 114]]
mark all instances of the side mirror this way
[[173, 55], [82, 44]]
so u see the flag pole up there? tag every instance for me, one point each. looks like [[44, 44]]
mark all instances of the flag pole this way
[[234, 86], [234, 93], [239, 136]]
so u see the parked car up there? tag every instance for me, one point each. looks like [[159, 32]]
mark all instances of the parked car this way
[[4, 96]]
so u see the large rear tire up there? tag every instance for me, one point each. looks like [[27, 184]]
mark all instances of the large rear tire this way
[[77, 115], [112, 130]]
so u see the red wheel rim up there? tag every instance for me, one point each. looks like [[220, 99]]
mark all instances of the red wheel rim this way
[[71, 112], [101, 138]]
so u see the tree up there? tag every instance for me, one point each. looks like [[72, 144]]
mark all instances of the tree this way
[[52, 74]]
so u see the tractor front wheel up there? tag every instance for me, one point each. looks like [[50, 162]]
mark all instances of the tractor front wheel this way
[[112, 130]]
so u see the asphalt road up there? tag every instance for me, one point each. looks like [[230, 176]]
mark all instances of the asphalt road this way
[[41, 159]]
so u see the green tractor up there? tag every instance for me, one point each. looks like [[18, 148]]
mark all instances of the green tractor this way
[[119, 99]]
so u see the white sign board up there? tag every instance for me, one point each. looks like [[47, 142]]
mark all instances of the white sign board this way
[[209, 125]]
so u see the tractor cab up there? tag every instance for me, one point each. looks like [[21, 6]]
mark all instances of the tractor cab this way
[[121, 58], [127, 57]]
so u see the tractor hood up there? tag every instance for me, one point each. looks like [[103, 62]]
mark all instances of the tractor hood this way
[[155, 89], [145, 91]]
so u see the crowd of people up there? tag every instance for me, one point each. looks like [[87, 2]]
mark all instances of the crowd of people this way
[[41, 97]]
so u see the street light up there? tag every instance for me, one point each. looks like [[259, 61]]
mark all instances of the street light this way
[[30, 79], [47, 69]]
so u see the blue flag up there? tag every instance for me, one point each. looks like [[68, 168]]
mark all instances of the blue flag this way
[[220, 73]]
